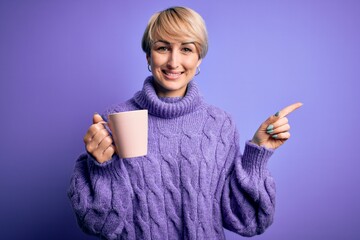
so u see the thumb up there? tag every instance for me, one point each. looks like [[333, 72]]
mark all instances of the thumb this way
[[97, 118], [272, 119]]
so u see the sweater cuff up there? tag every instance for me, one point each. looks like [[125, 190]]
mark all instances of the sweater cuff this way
[[109, 168], [255, 158]]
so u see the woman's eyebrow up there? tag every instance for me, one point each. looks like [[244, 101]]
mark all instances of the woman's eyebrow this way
[[185, 43], [168, 43]]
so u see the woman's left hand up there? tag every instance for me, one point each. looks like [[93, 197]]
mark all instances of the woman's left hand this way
[[275, 130]]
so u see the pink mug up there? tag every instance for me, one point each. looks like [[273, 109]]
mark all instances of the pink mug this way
[[130, 132]]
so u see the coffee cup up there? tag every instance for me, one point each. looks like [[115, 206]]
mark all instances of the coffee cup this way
[[130, 132]]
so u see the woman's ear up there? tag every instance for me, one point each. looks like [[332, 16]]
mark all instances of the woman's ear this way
[[148, 59], [199, 62]]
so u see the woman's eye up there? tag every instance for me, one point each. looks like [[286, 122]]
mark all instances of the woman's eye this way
[[187, 50], [162, 49]]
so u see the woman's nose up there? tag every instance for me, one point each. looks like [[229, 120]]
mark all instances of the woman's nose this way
[[173, 61]]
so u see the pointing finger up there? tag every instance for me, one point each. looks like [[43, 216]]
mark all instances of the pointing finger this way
[[287, 110], [269, 123]]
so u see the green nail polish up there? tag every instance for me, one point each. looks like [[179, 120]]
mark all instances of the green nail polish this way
[[270, 127], [274, 136], [277, 114], [270, 131]]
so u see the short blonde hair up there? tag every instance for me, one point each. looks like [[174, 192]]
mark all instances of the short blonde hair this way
[[178, 23]]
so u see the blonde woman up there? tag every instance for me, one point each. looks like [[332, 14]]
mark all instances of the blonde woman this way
[[194, 181]]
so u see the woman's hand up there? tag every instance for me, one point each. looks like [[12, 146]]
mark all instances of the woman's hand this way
[[98, 141], [275, 130]]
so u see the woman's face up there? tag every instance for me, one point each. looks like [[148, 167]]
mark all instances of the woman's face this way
[[173, 65]]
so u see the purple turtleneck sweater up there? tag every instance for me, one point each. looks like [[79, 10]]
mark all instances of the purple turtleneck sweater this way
[[193, 182]]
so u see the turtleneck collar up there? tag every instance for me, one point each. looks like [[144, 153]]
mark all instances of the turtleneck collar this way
[[168, 107]]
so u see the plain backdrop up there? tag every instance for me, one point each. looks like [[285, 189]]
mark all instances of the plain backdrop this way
[[61, 61]]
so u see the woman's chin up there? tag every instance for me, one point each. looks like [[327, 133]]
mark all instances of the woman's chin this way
[[171, 89]]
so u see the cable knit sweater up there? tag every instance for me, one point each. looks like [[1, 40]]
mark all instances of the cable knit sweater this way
[[193, 182]]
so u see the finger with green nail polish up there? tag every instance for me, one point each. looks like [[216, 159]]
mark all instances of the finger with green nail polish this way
[[270, 127], [270, 131], [287, 110]]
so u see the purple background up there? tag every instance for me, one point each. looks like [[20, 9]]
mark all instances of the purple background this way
[[61, 61]]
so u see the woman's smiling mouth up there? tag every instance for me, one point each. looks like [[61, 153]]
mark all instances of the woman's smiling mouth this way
[[171, 75]]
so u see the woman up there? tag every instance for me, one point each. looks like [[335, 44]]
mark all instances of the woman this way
[[194, 180]]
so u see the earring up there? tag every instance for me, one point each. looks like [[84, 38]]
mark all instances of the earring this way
[[149, 68], [198, 71]]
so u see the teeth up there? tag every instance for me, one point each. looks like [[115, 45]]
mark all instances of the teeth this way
[[173, 74]]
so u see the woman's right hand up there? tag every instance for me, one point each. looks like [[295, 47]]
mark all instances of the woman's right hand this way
[[98, 141]]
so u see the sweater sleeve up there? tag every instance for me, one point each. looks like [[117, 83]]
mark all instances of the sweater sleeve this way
[[100, 195], [248, 195]]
